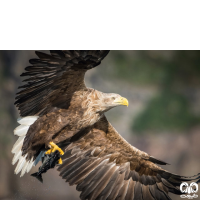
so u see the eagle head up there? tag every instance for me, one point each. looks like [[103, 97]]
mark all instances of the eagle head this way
[[113, 100], [106, 101]]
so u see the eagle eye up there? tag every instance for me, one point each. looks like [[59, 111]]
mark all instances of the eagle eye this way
[[113, 98]]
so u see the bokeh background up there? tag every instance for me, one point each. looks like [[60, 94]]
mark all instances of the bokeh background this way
[[163, 117]]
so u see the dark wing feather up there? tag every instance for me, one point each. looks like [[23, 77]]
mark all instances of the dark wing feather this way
[[104, 166], [54, 78]]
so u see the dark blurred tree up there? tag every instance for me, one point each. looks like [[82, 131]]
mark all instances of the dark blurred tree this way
[[168, 111]]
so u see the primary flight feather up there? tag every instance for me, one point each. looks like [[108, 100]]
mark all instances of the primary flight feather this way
[[60, 113]]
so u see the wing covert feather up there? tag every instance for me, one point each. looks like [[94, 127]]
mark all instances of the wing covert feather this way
[[108, 167]]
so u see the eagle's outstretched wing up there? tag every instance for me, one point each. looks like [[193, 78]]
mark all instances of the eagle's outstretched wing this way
[[54, 78], [104, 166]]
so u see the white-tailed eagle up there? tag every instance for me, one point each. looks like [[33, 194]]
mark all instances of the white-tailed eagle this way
[[58, 112]]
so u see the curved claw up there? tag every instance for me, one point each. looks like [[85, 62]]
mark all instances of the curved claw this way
[[54, 147], [60, 161], [49, 151]]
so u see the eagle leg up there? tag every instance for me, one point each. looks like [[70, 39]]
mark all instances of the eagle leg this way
[[54, 147]]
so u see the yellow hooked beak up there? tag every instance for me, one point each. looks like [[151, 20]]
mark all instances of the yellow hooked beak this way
[[121, 101]]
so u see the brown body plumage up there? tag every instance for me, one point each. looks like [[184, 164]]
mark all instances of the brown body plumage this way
[[96, 158], [61, 124]]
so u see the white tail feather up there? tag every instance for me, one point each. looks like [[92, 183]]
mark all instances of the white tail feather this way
[[20, 164], [17, 148], [30, 165], [21, 131], [17, 144], [16, 157], [24, 168], [27, 120]]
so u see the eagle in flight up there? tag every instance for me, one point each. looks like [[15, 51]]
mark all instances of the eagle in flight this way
[[58, 112]]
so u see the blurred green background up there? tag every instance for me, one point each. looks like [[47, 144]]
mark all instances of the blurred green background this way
[[163, 117]]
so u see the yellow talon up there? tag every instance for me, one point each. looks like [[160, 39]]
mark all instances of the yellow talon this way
[[49, 151], [60, 161], [54, 147]]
